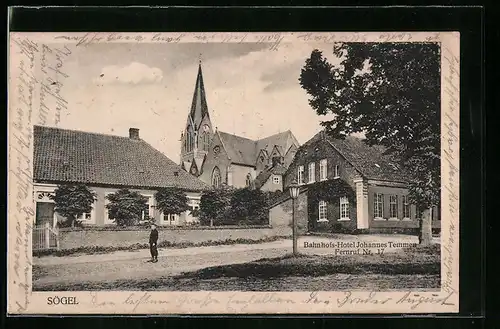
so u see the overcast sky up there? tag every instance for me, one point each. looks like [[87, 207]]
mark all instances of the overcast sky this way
[[251, 90]]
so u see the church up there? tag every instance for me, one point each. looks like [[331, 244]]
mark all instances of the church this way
[[219, 158]]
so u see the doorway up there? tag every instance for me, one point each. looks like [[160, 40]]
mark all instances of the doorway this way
[[44, 214]]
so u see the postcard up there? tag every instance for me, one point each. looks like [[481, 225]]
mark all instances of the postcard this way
[[233, 173]]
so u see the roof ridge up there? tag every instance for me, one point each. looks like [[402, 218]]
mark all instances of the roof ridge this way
[[252, 140], [84, 132], [275, 134]]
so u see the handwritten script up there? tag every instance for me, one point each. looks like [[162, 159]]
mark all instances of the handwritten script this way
[[451, 157], [36, 83]]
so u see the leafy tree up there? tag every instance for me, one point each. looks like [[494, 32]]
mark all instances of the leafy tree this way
[[126, 207], [215, 205], [171, 200], [391, 93], [72, 201], [249, 205]]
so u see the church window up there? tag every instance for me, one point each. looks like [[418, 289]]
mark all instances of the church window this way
[[248, 181], [216, 177], [189, 141], [206, 141]]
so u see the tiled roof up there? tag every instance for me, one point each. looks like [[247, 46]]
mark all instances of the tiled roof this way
[[239, 149], [264, 175], [371, 161], [62, 155], [245, 151], [283, 140]]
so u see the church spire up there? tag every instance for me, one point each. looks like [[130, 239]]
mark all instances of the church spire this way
[[199, 108]]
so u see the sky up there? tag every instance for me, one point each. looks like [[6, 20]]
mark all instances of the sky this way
[[251, 90]]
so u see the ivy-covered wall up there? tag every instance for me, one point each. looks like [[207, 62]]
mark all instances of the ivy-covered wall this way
[[331, 191]]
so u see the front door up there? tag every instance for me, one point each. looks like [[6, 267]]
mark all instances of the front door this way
[[44, 214]]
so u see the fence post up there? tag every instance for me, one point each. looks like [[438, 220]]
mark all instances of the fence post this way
[[47, 236], [57, 238]]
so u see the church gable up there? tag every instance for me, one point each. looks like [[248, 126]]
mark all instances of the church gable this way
[[216, 157]]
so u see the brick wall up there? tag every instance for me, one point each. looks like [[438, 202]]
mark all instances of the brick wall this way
[[90, 237], [280, 216]]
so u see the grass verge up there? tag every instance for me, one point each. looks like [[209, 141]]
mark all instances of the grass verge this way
[[89, 250]]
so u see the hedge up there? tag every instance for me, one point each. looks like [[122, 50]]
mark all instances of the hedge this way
[[163, 244]]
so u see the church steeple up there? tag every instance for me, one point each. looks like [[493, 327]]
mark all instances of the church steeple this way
[[199, 108], [198, 133]]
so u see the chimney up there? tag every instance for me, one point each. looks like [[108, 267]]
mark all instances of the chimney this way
[[133, 133]]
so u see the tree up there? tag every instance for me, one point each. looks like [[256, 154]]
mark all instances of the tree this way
[[171, 200], [249, 205], [391, 93], [72, 201], [215, 205], [126, 207]]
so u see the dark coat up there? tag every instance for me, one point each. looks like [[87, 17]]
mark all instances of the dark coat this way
[[153, 236]]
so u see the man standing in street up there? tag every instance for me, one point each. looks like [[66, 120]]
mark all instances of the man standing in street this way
[[153, 241]]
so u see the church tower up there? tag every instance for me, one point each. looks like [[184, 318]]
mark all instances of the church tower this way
[[198, 133]]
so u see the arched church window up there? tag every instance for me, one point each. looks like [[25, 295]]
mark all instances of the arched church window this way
[[190, 142], [216, 177], [248, 181], [206, 141]]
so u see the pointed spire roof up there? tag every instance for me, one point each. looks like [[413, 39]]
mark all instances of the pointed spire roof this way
[[199, 108]]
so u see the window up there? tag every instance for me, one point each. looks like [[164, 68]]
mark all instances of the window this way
[[206, 141], [406, 207], [344, 208], [336, 171], [248, 182], [189, 140], [85, 217], [300, 175], [322, 211], [108, 219], [378, 206], [323, 170], [276, 179], [393, 206], [170, 219], [216, 178], [312, 174], [147, 212]]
